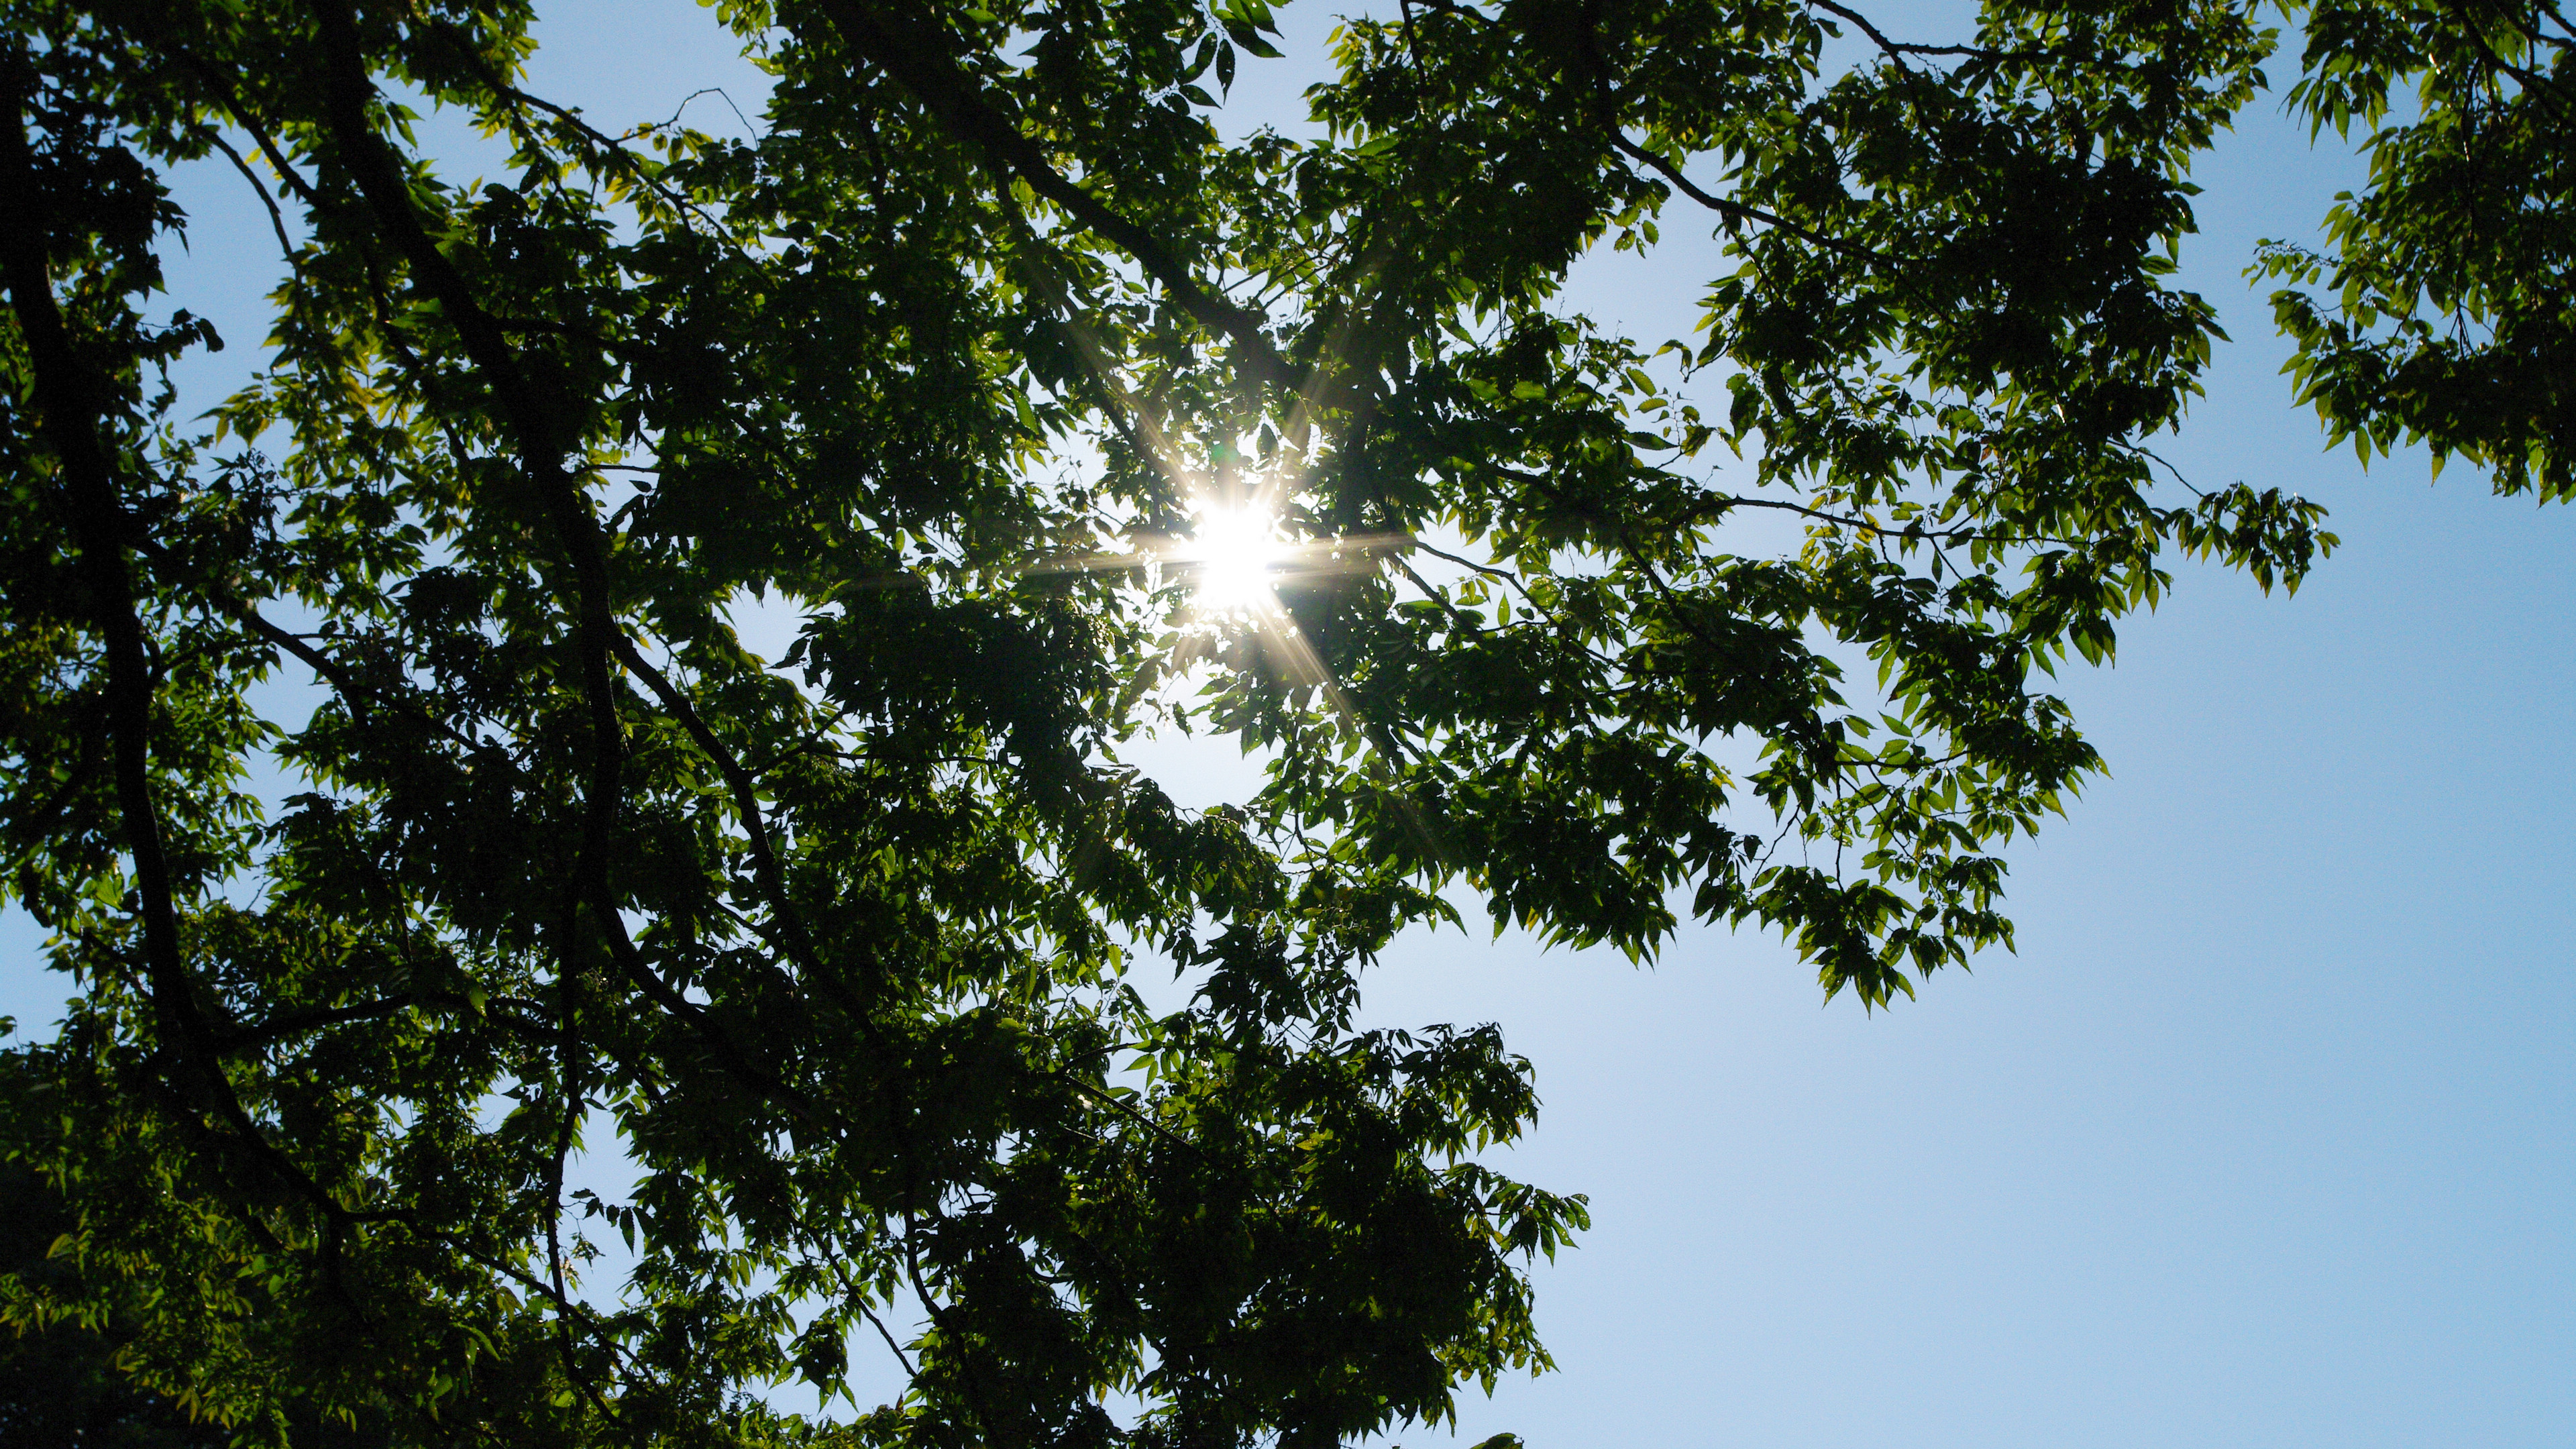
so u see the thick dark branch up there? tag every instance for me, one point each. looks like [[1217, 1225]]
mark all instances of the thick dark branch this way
[[569, 1063], [68, 406], [535, 420], [69, 402], [383, 185], [921, 63]]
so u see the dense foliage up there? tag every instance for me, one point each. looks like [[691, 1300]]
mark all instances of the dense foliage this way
[[853, 954], [59, 1383], [2450, 316]]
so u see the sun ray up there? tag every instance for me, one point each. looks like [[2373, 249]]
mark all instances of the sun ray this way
[[1238, 553]]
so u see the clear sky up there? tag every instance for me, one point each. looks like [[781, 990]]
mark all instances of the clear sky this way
[[2263, 1138]]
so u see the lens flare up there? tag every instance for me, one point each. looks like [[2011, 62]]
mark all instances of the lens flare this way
[[1234, 551]]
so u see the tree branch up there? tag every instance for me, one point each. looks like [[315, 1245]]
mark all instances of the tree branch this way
[[922, 65], [541, 437], [68, 403], [1731, 209], [746, 802], [276, 218], [1896, 49]]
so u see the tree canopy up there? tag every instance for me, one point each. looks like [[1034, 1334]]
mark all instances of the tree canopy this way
[[2453, 277], [1057, 413]]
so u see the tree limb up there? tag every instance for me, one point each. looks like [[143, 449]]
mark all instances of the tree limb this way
[[923, 66]]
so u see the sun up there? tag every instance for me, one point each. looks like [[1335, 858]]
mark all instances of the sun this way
[[1234, 551]]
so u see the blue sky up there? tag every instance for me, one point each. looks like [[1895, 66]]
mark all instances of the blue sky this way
[[2263, 1136]]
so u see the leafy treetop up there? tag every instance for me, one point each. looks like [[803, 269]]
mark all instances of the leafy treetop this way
[[970, 358]]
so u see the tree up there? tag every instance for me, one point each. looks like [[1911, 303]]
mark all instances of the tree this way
[[2453, 278], [1039, 402]]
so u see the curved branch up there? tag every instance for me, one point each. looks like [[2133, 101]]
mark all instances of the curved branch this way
[[542, 435], [69, 410], [1733, 211], [746, 802], [923, 66], [276, 218], [1897, 50]]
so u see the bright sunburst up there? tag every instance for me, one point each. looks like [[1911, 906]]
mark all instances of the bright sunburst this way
[[1234, 551]]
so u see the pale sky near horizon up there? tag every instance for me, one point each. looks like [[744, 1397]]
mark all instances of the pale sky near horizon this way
[[2262, 1138]]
